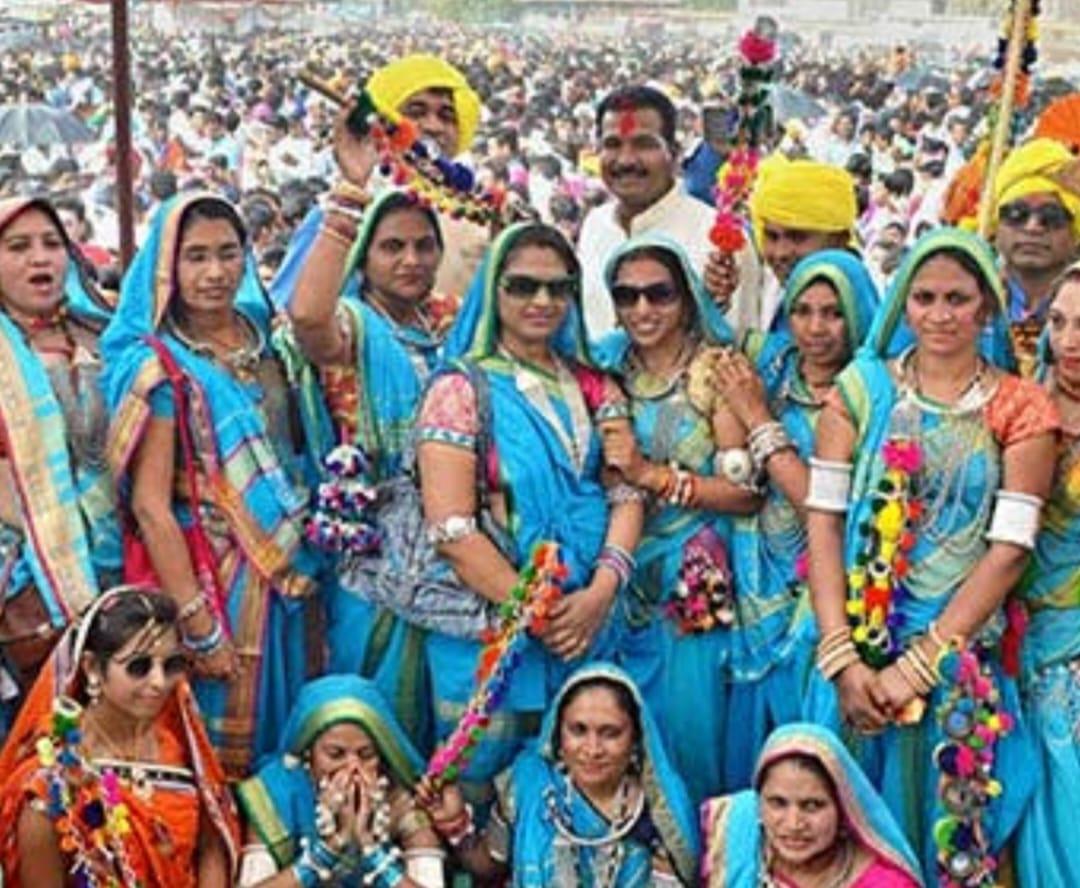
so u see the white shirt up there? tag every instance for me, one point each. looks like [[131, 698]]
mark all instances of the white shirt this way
[[681, 217]]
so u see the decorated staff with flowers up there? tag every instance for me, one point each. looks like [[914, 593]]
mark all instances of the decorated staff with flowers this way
[[925, 498]]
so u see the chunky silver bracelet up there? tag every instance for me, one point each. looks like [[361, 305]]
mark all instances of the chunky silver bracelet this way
[[451, 529]]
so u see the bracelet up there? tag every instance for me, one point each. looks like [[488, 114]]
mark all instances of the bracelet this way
[[624, 493], [346, 192], [832, 664], [914, 681], [935, 636], [766, 440], [351, 213], [329, 231], [190, 608], [619, 561], [451, 529], [381, 868], [318, 863], [684, 488], [458, 830], [830, 486], [207, 643]]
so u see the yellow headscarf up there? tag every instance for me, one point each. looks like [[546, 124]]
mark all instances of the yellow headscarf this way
[[802, 194], [392, 85], [1030, 169]]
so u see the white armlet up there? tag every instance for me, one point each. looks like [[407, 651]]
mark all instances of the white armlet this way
[[1016, 519], [256, 865], [830, 485], [425, 867]]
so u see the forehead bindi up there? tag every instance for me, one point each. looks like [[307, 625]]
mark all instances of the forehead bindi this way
[[628, 122]]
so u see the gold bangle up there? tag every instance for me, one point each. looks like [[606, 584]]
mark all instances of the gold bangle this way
[[911, 677], [336, 236], [350, 193]]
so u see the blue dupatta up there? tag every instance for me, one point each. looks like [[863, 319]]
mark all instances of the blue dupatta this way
[[536, 781], [731, 825], [68, 513], [279, 801]]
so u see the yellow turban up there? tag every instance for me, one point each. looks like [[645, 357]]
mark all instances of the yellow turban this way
[[392, 85], [1030, 169], [802, 194]]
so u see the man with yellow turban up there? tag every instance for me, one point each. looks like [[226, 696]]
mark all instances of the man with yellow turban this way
[[1037, 231], [438, 99], [797, 208]]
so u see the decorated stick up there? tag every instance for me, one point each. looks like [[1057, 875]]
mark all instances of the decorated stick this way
[[412, 162], [1022, 12], [525, 610]]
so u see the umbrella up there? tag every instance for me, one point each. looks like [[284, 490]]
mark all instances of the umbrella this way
[[918, 79], [789, 103], [25, 125]]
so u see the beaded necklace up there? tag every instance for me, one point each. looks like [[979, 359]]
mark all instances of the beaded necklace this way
[[241, 362]]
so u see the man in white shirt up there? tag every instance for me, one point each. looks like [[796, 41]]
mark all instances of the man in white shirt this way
[[638, 160]]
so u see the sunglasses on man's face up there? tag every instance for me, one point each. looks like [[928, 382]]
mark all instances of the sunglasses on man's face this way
[[1052, 216], [173, 666], [660, 293], [525, 286]]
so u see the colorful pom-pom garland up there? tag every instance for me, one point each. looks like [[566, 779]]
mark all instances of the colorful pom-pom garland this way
[[525, 609], [973, 720], [876, 581], [87, 809], [1028, 57], [340, 522], [704, 597], [735, 180], [416, 166]]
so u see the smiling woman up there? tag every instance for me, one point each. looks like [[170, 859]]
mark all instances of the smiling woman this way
[[192, 310]]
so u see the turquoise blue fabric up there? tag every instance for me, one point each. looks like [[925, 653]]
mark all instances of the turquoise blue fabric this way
[[733, 834], [1046, 851], [948, 546], [536, 780], [548, 498], [279, 801], [674, 671], [266, 472]]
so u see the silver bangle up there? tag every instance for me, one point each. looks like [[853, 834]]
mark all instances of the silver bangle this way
[[625, 493], [1016, 519], [451, 529], [735, 465], [830, 485], [766, 440]]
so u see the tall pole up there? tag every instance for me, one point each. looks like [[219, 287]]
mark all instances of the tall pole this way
[[121, 72], [1017, 39]]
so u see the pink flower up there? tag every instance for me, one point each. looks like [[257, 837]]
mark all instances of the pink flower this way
[[902, 455], [757, 50], [802, 565], [965, 761]]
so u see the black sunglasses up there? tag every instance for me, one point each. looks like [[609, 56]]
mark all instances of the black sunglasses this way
[[1052, 217], [525, 286], [139, 666], [660, 293]]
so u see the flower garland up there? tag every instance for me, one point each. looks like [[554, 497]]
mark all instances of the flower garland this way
[[973, 720], [340, 522], [876, 581], [526, 609], [87, 810], [704, 596], [735, 180], [1029, 56], [420, 170]]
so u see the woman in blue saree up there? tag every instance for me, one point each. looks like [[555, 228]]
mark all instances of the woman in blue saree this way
[[193, 291], [825, 313], [595, 802], [546, 407], [916, 546], [59, 540], [337, 795], [367, 320], [1047, 853], [679, 608], [812, 818]]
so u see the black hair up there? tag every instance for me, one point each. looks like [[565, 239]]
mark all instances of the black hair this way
[[967, 262], [804, 762], [624, 698], [212, 208], [163, 184], [539, 234], [123, 617], [637, 97]]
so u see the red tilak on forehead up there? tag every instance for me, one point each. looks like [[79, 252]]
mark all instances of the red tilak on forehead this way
[[627, 122]]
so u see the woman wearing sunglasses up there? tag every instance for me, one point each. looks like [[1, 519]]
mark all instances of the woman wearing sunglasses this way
[[690, 458], [108, 775], [337, 797], [541, 415], [825, 313]]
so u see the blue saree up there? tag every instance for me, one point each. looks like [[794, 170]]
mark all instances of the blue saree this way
[[1050, 680], [537, 791], [961, 473], [675, 671], [552, 492], [252, 487], [279, 800], [731, 825]]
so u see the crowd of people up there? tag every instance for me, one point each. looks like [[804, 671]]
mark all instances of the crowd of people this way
[[266, 501]]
